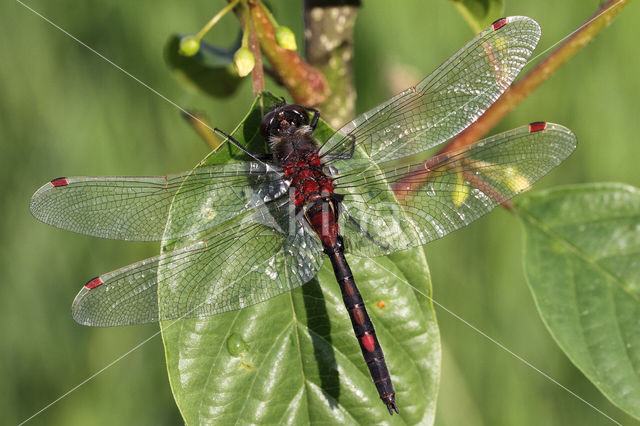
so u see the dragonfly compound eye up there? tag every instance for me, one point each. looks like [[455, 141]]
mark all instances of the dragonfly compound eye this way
[[295, 115], [267, 123], [282, 117]]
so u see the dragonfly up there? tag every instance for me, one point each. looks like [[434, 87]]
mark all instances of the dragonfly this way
[[263, 227]]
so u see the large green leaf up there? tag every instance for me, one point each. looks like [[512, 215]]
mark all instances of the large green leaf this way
[[479, 13], [582, 262], [294, 359]]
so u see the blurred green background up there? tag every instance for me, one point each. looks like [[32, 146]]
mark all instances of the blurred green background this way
[[65, 111]]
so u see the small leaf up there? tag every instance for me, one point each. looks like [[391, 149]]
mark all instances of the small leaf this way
[[210, 70], [294, 359], [479, 13], [582, 262]]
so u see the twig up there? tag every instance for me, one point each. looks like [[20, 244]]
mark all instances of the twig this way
[[516, 93], [257, 75], [329, 47], [306, 84], [519, 91]]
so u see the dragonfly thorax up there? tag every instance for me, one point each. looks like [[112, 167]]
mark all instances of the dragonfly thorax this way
[[289, 133], [305, 170]]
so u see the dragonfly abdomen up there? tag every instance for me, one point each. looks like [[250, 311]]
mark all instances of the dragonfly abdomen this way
[[315, 198], [362, 325]]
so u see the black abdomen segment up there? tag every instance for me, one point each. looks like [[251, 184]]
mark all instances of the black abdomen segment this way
[[362, 326]]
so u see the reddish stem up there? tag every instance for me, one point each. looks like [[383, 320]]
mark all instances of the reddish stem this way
[[307, 85], [519, 91], [257, 75]]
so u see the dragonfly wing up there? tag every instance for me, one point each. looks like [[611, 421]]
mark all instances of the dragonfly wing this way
[[254, 258], [441, 105], [393, 207], [136, 208]]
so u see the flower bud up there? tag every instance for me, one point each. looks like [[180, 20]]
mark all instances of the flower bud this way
[[515, 181], [460, 191], [189, 46], [285, 38], [244, 61], [510, 176]]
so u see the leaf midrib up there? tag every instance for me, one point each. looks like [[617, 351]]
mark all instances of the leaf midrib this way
[[577, 251]]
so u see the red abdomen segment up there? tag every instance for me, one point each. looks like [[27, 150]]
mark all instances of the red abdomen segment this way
[[313, 196], [321, 217], [363, 327]]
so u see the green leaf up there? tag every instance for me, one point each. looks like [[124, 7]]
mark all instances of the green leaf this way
[[479, 13], [582, 262], [210, 70], [294, 359]]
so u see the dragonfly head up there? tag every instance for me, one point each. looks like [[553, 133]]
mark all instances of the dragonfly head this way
[[283, 119]]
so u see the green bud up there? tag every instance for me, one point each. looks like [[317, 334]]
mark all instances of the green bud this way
[[285, 38], [189, 46], [515, 181], [510, 176], [460, 191], [244, 61]]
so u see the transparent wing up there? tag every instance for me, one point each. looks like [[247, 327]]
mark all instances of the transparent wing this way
[[136, 208], [391, 207], [254, 258], [440, 106]]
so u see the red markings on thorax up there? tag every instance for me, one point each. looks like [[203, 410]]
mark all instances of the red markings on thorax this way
[[307, 178], [312, 188]]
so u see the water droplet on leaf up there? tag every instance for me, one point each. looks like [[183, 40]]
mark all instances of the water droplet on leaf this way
[[235, 345]]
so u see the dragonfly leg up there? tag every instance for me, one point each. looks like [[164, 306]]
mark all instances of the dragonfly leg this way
[[315, 118], [347, 156], [257, 155], [366, 233]]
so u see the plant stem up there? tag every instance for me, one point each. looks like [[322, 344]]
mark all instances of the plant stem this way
[[257, 75], [216, 18], [329, 47], [307, 85], [519, 91], [267, 12]]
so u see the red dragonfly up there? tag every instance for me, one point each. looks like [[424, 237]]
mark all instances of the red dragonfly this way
[[264, 227]]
